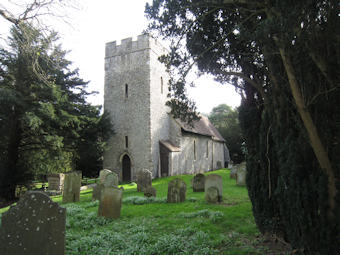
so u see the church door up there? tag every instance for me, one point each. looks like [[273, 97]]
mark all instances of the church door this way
[[126, 169], [164, 155]]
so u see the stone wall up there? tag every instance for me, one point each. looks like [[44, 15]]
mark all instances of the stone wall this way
[[159, 111], [128, 63]]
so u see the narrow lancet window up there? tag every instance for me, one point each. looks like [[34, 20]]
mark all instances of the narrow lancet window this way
[[126, 91], [126, 142], [194, 150]]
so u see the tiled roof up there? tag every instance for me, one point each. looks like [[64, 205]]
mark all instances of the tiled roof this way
[[202, 127], [169, 145]]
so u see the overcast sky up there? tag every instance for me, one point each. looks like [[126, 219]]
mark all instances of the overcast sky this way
[[101, 21]]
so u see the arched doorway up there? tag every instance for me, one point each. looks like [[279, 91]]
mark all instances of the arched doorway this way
[[126, 162]]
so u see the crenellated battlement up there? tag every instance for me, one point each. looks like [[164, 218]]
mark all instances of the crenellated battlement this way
[[127, 45]]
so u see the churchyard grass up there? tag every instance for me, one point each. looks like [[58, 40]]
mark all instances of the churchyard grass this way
[[152, 226]]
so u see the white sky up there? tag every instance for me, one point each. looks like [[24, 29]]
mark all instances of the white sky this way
[[102, 21]]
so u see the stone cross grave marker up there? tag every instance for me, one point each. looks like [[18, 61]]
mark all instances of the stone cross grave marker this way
[[36, 225], [215, 181], [72, 184], [144, 180], [176, 191], [198, 183], [110, 202]]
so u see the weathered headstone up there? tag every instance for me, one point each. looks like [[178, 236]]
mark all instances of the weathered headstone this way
[[107, 178], [233, 172], [198, 183], [110, 202], [150, 192], [215, 181], [55, 181], [144, 180], [96, 191], [72, 184], [176, 191], [102, 176], [211, 195], [241, 176], [36, 225]]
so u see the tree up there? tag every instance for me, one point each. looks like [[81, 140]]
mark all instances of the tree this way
[[44, 115], [283, 58], [225, 119]]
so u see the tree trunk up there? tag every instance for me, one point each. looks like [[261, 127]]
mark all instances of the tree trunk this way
[[314, 138]]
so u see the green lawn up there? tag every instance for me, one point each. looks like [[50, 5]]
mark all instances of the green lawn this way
[[151, 226]]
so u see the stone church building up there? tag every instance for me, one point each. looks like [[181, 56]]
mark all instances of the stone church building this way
[[146, 136]]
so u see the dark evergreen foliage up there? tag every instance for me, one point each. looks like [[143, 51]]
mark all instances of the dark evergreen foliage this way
[[284, 59], [45, 122]]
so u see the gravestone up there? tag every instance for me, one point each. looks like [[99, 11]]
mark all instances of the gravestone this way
[[198, 183], [233, 172], [36, 225], [144, 180], [107, 178], [55, 181], [96, 191], [241, 176], [215, 181], [176, 191], [72, 184], [110, 202], [150, 192], [102, 176], [212, 195]]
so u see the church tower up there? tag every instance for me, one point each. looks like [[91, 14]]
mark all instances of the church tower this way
[[136, 88]]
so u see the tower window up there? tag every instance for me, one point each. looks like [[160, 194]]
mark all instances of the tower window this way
[[161, 85], [126, 142], [207, 149], [194, 149], [126, 91]]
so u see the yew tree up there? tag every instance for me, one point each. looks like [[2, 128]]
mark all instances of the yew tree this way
[[283, 57]]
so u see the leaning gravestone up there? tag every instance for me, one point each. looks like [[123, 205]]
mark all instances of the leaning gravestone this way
[[96, 191], [241, 176], [144, 180], [215, 181], [36, 225], [176, 191], [110, 202], [72, 184], [150, 192], [198, 183]]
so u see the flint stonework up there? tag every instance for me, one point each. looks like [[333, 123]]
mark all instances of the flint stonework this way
[[72, 184], [198, 183], [215, 181], [36, 225], [110, 202], [144, 180], [176, 191]]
